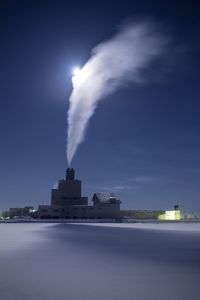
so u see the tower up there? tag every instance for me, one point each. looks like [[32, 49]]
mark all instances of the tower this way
[[68, 191], [70, 174]]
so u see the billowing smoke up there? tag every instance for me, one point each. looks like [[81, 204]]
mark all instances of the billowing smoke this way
[[113, 63]]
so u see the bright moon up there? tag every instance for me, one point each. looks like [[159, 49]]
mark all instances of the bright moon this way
[[76, 71], [80, 76]]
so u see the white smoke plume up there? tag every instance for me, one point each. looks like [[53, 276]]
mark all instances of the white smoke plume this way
[[113, 63]]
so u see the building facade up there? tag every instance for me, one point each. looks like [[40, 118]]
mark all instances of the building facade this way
[[68, 203], [171, 215], [68, 191]]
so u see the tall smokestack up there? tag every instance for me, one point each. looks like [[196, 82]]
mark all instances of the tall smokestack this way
[[70, 174]]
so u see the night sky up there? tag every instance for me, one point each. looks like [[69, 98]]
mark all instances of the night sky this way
[[143, 142]]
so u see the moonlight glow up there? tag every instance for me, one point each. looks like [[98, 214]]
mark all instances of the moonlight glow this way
[[80, 76], [76, 76], [76, 71]]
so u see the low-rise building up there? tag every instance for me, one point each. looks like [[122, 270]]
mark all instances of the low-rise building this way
[[20, 211], [171, 215]]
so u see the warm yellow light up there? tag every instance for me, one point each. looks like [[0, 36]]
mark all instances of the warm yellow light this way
[[170, 215]]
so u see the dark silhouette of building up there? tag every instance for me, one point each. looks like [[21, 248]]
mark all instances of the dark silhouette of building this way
[[68, 191], [176, 207], [67, 202], [20, 211]]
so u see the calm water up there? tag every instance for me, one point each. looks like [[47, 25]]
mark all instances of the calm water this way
[[72, 262]]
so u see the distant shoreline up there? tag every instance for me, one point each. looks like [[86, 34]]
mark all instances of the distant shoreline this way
[[99, 221]]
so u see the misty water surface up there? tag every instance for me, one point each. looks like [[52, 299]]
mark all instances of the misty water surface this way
[[67, 261]]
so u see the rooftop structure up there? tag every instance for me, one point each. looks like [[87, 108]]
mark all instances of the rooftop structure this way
[[102, 198]]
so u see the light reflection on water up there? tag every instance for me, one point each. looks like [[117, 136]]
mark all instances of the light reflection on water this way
[[60, 261]]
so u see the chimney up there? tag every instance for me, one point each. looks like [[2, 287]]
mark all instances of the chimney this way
[[70, 174]]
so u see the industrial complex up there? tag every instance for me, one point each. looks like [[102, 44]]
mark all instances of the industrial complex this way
[[67, 202]]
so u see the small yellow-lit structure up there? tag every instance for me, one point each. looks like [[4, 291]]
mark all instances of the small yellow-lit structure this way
[[171, 215]]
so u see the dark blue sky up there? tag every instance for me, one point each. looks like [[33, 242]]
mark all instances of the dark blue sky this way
[[142, 143]]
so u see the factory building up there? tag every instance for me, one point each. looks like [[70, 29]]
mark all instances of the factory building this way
[[67, 202]]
